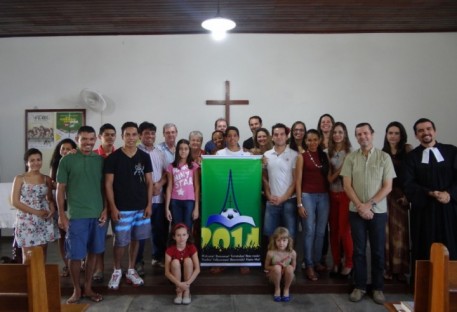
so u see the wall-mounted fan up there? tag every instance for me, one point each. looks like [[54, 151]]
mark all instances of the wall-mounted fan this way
[[93, 100]]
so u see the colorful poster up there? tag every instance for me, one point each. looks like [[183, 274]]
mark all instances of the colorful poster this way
[[45, 128], [231, 211]]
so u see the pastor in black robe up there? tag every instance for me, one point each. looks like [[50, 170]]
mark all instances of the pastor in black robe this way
[[432, 221]]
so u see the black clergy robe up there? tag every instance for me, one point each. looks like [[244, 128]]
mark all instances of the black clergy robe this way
[[430, 220]]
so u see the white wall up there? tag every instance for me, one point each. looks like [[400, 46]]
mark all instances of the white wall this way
[[355, 77]]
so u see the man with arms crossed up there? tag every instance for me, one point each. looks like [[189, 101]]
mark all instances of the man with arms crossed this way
[[367, 176], [80, 179], [128, 186]]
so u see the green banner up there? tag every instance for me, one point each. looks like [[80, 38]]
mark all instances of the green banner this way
[[231, 213]]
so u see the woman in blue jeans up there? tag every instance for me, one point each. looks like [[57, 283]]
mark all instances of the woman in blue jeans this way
[[312, 200]]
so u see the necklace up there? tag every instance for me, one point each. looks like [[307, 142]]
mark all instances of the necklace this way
[[312, 159]]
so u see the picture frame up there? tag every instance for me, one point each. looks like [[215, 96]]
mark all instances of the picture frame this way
[[45, 128]]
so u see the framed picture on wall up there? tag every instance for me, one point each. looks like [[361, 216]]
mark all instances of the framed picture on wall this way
[[44, 128]]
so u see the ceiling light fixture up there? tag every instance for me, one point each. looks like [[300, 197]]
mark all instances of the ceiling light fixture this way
[[218, 25]]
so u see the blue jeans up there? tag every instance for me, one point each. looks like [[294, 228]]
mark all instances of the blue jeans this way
[[375, 229], [317, 208], [159, 234], [283, 215], [181, 211]]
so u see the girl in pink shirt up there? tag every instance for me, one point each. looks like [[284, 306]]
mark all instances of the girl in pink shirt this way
[[183, 189]]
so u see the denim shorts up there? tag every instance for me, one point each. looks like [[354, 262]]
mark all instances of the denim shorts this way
[[84, 236]]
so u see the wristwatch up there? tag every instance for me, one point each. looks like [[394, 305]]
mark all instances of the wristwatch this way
[[299, 205]]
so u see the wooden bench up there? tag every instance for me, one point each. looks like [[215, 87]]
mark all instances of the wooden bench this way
[[33, 286], [435, 286]]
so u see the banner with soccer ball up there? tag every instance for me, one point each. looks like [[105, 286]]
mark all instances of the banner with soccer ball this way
[[231, 212]]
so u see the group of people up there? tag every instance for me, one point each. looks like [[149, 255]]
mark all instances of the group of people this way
[[311, 178]]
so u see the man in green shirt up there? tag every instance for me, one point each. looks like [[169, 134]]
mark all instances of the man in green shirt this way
[[367, 176], [80, 180]]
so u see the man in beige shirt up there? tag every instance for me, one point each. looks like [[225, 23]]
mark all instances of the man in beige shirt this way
[[367, 176]]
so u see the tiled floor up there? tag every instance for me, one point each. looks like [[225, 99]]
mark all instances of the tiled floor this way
[[241, 303], [245, 293]]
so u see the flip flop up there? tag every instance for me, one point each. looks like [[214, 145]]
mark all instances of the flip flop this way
[[73, 300], [65, 272], [95, 297]]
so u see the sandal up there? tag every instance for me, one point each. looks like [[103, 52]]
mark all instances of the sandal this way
[[310, 274], [65, 272], [73, 300], [98, 276], [95, 297]]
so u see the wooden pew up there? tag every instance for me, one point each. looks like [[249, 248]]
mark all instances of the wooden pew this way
[[435, 286], [33, 286]]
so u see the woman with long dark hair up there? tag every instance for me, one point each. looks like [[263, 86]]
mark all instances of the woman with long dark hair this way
[[312, 201], [397, 236]]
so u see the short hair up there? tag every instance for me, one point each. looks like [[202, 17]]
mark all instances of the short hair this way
[[422, 120], [145, 125], [217, 131], [255, 117], [129, 124], [232, 128], [363, 124], [313, 131], [105, 127], [196, 133], [169, 125], [279, 126], [219, 119], [87, 129]]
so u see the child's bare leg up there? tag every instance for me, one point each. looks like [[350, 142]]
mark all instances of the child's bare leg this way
[[175, 268], [188, 267], [275, 277], [288, 278]]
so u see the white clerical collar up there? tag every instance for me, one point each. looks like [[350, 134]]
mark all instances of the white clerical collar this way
[[426, 155]]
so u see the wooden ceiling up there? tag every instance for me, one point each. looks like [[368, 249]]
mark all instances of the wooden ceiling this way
[[155, 17]]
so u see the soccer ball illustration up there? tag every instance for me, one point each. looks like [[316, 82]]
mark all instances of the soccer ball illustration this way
[[230, 213]]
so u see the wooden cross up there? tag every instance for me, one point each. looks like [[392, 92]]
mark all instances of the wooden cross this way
[[227, 102]]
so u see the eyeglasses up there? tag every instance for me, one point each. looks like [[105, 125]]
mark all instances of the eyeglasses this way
[[299, 130]]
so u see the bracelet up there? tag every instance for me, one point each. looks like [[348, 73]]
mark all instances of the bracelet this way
[[299, 205]]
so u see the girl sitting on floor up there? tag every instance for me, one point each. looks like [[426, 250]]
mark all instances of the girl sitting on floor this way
[[181, 262], [280, 262]]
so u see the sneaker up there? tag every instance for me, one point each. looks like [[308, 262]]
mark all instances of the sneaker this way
[[178, 300], [378, 297], [133, 278], [186, 300], [157, 263], [356, 295], [139, 267], [115, 279]]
